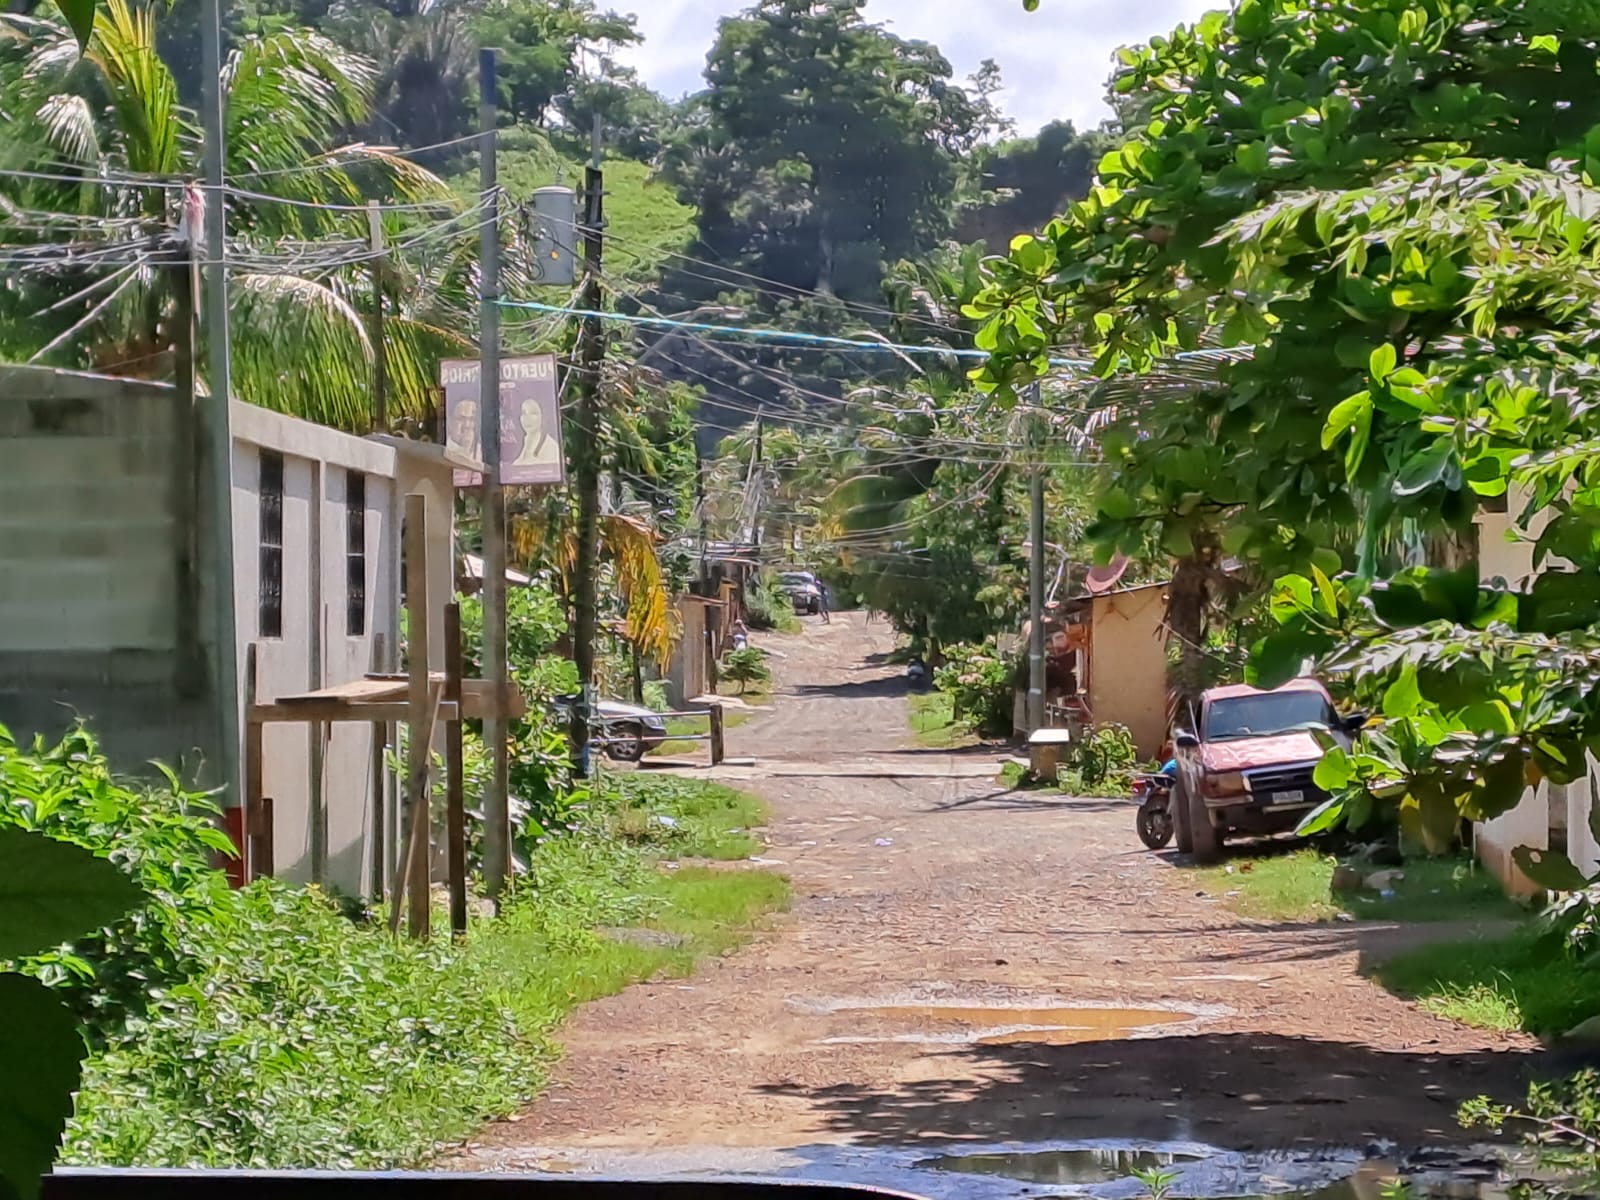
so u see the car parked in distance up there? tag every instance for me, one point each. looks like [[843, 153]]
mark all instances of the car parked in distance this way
[[625, 732], [803, 591], [1247, 764]]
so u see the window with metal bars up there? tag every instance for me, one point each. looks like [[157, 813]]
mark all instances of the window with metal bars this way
[[355, 554], [270, 493]]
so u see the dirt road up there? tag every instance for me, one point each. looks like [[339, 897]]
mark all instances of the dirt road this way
[[965, 965]]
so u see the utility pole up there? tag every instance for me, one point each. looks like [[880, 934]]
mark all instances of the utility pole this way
[[496, 811], [1036, 673], [380, 352], [217, 420], [586, 457]]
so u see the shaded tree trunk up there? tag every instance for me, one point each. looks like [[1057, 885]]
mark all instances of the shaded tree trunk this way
[[1190, 597]]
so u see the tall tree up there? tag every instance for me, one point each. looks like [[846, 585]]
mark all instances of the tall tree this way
[[1356, 199], [823, 146]]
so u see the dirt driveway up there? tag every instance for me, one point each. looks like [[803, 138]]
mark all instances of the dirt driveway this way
[[953, 967]]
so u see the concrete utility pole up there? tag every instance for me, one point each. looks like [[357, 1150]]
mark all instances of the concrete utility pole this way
[[380, 351], [218, 425], [586, 447], [1036, 673], [496, 811]]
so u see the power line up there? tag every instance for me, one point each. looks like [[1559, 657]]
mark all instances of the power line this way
[[770, 334]]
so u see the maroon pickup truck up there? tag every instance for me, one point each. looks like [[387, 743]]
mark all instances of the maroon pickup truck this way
[[1246, 766]]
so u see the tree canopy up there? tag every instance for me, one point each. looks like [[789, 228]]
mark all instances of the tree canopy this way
[[1382, 213]]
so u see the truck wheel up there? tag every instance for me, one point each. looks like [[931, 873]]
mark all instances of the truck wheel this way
[[1180, 822], [1206, 841]]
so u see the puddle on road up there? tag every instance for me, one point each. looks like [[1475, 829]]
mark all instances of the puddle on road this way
[[1058, 1166], [1107, 1173], [984, 1025]]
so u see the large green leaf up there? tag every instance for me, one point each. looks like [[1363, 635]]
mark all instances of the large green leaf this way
[[80, 16], [1550, 869], [52, 892], [41, 1051]]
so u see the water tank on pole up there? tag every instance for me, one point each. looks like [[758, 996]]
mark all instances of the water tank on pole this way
[[555, 233]]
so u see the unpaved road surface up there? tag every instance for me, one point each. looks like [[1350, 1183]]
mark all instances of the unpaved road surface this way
[[920, 992]]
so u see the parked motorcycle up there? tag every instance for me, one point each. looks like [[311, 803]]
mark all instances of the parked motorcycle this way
[[1154, 819]]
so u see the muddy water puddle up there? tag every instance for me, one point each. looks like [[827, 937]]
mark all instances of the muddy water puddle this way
[[997, 1025], [1058, 1166], [1111, 1173]]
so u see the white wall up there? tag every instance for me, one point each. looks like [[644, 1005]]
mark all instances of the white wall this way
[[1505, 551], [322, 775]]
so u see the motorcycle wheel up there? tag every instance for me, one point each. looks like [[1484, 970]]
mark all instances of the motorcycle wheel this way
[[1155, 823]]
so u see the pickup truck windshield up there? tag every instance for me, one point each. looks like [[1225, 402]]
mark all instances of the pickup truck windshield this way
[[1265, 715]]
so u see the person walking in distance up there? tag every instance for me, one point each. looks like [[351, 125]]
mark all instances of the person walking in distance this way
[[822, 602]]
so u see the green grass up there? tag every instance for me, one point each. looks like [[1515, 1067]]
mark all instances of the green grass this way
[[679, 727], [306, 1039], [934, 723], [707, 820], [1297, 887], [703, 911], [644, 219], [1518, 982]]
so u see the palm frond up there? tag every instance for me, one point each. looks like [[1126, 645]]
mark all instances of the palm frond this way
[[143, 94], [69, 126], [299, 347]]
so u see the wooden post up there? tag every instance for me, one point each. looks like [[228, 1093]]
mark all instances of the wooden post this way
[[380, 816], [262, 854], [419, 751], [455, 769], [254, 737], [716, 734]]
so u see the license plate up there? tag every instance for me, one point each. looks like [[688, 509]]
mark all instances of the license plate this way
[[1283, 799]]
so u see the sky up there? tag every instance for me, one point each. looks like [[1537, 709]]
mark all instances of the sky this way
[[1055, 61]]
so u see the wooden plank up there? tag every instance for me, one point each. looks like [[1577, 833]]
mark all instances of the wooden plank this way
[[419, 747], [355, 690], [338, 710], [455, 781], [387, 706], [414, 855], [254, 752]]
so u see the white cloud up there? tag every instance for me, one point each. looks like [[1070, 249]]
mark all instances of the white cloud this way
[[1055, 61]]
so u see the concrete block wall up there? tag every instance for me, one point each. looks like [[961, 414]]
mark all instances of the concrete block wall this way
[[87, 523], [91, 532]]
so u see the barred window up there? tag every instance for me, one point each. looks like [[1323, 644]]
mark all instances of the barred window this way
[[355, 554], [270, 618]]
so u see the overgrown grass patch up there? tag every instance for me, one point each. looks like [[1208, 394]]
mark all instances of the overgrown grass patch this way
[[1520, 982], [689, 818], [1297, 886], [303, 1039], [933, 721], [696, 911]]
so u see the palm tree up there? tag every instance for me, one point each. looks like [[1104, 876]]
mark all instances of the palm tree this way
[[91, 204]]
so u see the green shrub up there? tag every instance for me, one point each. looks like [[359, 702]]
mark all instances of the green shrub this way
[[303, 1041], [166, 837], [767, 606], [1102, 763], [979, 682], [745, 667]]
